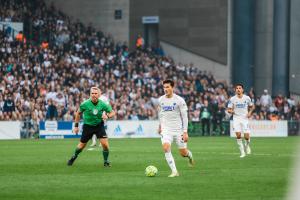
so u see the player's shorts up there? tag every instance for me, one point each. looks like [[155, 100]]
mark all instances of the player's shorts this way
[[169, 138], [88, 131], [241, 125]]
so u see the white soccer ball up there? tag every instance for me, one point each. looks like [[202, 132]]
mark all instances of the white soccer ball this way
[[151, 171]]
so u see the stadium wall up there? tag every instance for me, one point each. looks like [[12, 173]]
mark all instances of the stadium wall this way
[[220, 71], [197, 26], [100, 13], [294, 59]]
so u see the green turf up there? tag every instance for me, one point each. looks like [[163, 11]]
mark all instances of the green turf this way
[[36, 169]]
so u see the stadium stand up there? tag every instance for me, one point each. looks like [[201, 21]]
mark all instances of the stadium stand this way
[[49, 74]]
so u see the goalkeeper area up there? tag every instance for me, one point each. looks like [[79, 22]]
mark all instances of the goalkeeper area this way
[[37, 169]]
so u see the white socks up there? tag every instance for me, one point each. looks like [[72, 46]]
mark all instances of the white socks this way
[[170, 161], [247, 142], [241, 145], [94, 140], [189, 155]]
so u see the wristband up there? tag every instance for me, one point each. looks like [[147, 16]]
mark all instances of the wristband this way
[[76, 124]]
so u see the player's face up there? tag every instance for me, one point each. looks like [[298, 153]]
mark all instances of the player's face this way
[[168, 89], [239, 90], [94, 95]]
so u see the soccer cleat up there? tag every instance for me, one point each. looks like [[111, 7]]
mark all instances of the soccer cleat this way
[[242, 155], [248, 150], [107, 164], [93, 145], [191, 162], [71, 161], [173, 174]]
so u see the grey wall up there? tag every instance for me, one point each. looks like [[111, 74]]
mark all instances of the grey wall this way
[[294, 58], [220, 71], [196, 26], [100, 13]]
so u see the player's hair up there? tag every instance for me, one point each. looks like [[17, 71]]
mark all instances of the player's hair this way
[[238, 84], [94, 88], [169, 81]]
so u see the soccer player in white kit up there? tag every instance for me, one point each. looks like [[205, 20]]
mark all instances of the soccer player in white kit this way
[[241, 107], [105, 100], [173, 124]]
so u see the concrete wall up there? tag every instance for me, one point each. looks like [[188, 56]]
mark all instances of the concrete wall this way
[[220, 71], [100, 13], [294, 60], [196, 26]]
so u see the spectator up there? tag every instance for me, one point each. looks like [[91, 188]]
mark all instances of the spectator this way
[[205, 115], [51, 111], [9, 105], [265, 100], [217, 119]]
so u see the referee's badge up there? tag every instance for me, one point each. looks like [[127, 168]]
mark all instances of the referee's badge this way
[[95, 111]]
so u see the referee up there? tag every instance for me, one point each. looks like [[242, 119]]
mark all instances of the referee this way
[[93, 117]]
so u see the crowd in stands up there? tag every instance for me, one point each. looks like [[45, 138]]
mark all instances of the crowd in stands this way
[[50, 74]]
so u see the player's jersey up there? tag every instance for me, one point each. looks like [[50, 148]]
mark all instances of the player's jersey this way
[[92, 114], [240, 106], [172, 115], [105, 100]]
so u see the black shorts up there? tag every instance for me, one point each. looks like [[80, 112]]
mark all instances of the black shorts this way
[[88, 131]]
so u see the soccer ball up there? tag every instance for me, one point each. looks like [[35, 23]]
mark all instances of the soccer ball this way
[[151, 171]]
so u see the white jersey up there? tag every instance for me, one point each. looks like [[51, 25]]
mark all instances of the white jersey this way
[[240, 106], [172, 115], [104, 99]]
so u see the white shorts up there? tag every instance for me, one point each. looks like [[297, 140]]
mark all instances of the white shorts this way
[[241, 125], [168, 138]]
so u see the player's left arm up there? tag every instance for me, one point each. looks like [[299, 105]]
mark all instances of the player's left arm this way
[[184, 115], [109, 112]]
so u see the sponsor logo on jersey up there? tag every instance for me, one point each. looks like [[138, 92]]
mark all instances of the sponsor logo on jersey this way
[[240, 105], [168, 108]]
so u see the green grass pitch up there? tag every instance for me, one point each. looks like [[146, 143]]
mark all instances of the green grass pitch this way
[[36, 169]]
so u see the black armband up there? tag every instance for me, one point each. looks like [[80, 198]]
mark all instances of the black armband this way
[[76, 124]]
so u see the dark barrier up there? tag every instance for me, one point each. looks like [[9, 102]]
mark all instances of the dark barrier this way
[[293, 128], [196, 129]]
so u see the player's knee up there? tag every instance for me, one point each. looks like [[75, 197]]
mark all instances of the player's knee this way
[[166, 148], [183, 152], [238, 135], [81, 145], [104, 145]]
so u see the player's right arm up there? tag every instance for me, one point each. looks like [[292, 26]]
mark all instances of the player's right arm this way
[[77, 119], [230, 109], [81, 109], [159, 117]]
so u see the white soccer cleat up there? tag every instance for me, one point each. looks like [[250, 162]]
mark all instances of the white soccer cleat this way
[[242, 155], [248, 150], [93, 145], [174, 174]]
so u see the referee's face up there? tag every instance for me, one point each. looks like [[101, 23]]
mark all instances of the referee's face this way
[[95, 95], [168, 89]]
